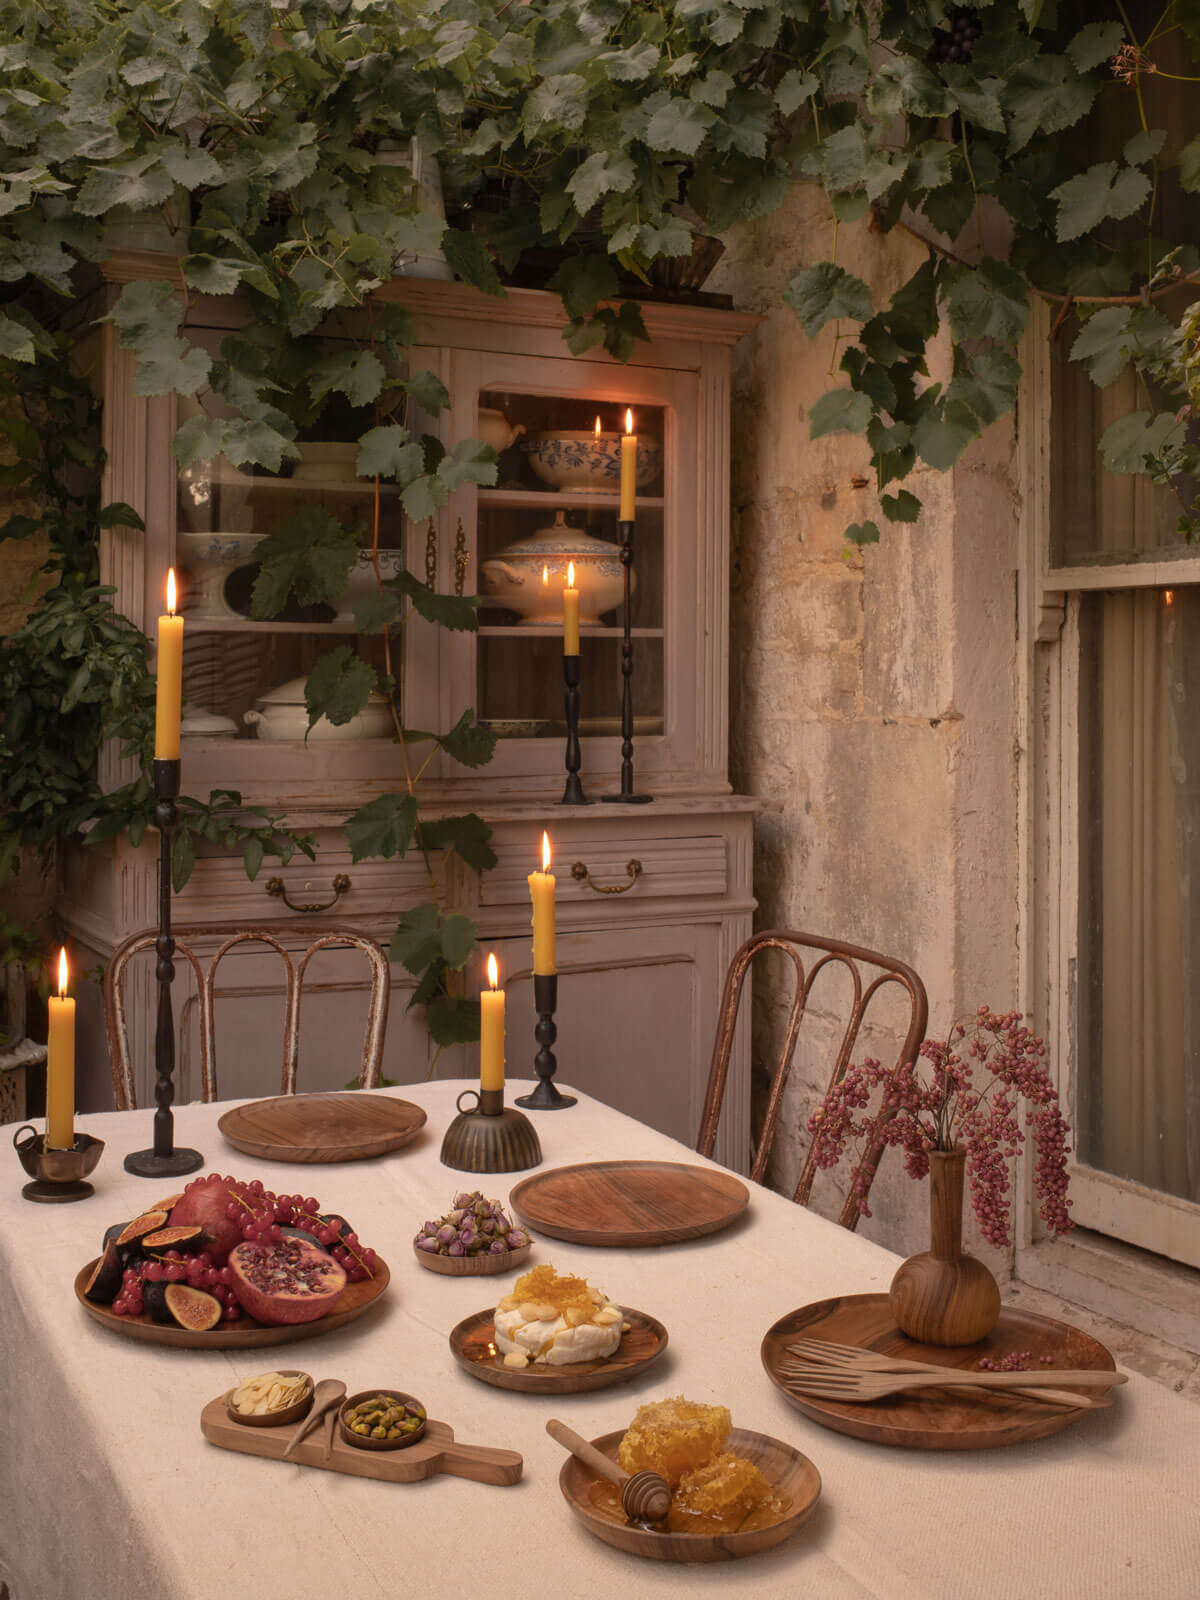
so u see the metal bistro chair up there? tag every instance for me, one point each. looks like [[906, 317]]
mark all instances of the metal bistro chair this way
[[828, 952], [124, 1094]]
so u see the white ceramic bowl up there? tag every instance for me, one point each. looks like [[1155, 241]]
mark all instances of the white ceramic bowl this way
[[589, 463], [513, 579], [361, 581], [281, 717], [206, 560]]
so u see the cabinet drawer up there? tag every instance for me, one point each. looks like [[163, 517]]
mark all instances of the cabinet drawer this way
[[586, 870], [219, 890]]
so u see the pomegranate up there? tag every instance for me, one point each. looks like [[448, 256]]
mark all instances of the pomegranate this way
[[292, 1281], [205, 1202]]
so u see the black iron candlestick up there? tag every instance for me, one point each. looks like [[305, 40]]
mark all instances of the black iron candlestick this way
[[573, 794], [626, 795], [547, 1096], [164, 1161]]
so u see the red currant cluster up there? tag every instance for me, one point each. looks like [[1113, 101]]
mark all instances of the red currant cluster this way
[[264, 1215], [197, 1271]]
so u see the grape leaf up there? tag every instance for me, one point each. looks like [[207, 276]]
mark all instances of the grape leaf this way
[[339, 686], [583, 281], [1096, 42], [383, 827], [679, 125], [944, 432], [600, 174], [428, 391], [1129, 442], [310, 554], [861, 533], [453, 1019], [119, 515], [415, 943], [1189, 165], [822, 293], [794, 88], [469, 742], [902, 507], [471, 261], [375, 611], [1144, 146], [990, 302], [839, 411], [1103, 191], [387, 452], [468, 836], [458, 940], [358, 374], [447, 610]]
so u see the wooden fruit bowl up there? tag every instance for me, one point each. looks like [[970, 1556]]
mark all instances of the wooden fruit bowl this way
[[482, 1266]]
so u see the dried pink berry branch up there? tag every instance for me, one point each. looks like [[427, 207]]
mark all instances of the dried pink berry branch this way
[[947, 1110]]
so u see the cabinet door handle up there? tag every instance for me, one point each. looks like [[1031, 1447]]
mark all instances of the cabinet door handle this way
[[580, 872], [278, 888]]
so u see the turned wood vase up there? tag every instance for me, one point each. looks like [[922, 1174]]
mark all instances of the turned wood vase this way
[[944, 1296]]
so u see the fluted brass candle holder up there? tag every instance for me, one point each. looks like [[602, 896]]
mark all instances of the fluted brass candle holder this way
[[490, 1136], [58, 1175]]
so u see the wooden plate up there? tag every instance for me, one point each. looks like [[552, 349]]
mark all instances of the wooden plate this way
[[472, 1342], [245, 1334], [484, 1266], [793, 1476], [629, 1202], [322, 1127], [937, 1419]]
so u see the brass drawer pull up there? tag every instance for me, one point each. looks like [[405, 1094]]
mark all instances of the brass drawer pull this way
[[634, 868], [277, 887]]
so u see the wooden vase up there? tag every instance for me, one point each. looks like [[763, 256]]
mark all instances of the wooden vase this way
[[943, 1296]]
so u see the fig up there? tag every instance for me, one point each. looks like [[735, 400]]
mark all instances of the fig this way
[[192, 1308], [154, 1300], [187, 1240], [290, 1232], [292, 1281], [105, 1281], [131, 1237], [205, 1202]]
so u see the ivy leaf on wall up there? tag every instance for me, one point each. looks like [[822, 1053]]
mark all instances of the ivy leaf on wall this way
[[339, 686], [383, 827], [825, 292], [839, 411], [468, 836], [309, 555]]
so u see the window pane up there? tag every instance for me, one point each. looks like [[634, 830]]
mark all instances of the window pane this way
[[1138, 1034]]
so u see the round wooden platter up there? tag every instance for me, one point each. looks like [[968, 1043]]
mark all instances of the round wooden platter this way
[[620, 1203], [245, 1334], [314, 1128], [482, 1266], [792, 1475], [474, 1348], [937, 1419]]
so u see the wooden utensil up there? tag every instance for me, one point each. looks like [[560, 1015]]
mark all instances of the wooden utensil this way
[[619, 1203], [645, 1496], [473, 1344], [330, 1424], [322, 1127], [329, 1393], [823, 1355], [805, 1379], [929, 1419]]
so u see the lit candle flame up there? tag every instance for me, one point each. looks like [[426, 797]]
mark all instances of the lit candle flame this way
[[545, 573], [628, 419], [171, 590], [493, 972], [62, 973], [545, 852], [1168, 597], [597, 427], [570, 574]]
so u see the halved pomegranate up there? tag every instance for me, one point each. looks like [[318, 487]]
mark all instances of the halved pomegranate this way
[[291, 1281]]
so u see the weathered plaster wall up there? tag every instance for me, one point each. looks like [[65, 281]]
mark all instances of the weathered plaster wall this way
[[872, 692]]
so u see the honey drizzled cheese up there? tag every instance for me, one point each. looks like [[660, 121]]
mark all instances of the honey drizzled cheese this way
[[556, 1321]]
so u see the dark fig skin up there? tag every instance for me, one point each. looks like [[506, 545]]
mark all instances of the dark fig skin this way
[[154, 1299], [105, 1281], [290, 1232]]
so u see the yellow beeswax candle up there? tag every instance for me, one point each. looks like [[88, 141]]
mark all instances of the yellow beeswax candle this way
[[570, 614], [628, 470], [169, 669], [541, 892], [60, 1066], [491, 1031]]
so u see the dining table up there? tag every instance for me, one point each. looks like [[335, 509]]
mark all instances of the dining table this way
[[109, 1491]]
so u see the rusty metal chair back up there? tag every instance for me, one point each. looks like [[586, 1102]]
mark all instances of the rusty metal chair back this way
[[869, 973], [124, 1093]]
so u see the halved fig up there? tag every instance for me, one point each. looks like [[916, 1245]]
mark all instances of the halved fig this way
[[129, 1241], [185, 1240], [192, 1308]]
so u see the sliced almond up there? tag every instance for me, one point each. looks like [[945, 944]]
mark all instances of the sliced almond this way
[[516, 1359], [529, 1311], [606, 1316]]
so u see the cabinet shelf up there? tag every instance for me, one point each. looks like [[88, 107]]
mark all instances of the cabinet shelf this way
[[232, 625], [553, 630], [561, 499], [251, 483]]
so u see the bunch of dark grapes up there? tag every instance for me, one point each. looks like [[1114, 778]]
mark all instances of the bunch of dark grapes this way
[[956, 42]]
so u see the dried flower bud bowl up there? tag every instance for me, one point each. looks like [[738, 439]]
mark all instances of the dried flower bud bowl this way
[[274, 1419], [484, 1265], [360, 1441]]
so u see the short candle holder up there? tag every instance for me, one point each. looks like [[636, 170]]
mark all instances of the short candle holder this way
[[625, 795], [573, 794], [490, 1136], [547, 1096], [164, 1161], [58, 1175]]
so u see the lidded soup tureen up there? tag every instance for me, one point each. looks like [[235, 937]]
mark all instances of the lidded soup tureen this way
[[281, 715], [514, 579]]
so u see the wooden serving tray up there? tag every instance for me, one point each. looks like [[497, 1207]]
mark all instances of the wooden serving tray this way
[[621, 1203], [436, 1451], [472, 1343], [315, 1128], [791, 1475], [245, 1334], [937, 1419]]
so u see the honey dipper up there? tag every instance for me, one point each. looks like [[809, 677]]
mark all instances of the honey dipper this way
[[645, 1497]]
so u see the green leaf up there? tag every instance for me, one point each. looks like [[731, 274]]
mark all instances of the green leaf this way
[[415, 943], [428, 391], [119, 515], [469, 742], [383, 827], [387, 452], [990, 302], [1097, 42], [471, 461], [457, 612], [214, 274], [1189, 165], [458, 940], [1129, 443], [338, 687], [375, 611], [309, 555], [943, 433], [1101, 344], [423, 496], [1144, 146], [583, 281], [358, 374], [1102, 191], [794, 88], [16, 342], [183, 859], [861, 533], [839, 411], [453, 1019], [679, 125], [902, 507], [845, 157], [471, 261], [252, 855], [602, 173], [825, 292], [468, 836], [988, 385], [199, 439]]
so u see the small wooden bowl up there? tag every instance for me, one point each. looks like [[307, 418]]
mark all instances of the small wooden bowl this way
[[275, 1419], [358, 1440], [483, 1266]]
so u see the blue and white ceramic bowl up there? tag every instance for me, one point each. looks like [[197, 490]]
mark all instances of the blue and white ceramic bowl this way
[[530, 575], [589, 463]]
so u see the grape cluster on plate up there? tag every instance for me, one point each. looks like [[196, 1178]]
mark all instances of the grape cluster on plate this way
[[474, 1226], [957, 41]]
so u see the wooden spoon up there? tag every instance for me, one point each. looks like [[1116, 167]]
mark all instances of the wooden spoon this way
[[645, 1497], [328, 1393]]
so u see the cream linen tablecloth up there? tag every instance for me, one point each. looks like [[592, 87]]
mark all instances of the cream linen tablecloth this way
[[108, 1490]]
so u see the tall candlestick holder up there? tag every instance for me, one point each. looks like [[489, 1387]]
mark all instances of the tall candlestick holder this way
[[573, 794], [547, 1096], [625, 796], [490, 1136], [164, 1160]]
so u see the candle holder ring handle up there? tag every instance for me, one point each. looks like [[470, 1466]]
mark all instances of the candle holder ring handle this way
[[277, 887], [580, 873], [458, 1104], [28, 1128]]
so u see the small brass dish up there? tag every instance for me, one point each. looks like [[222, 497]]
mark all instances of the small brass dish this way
[[274, 1419], [58, 1175], [360, 1441]]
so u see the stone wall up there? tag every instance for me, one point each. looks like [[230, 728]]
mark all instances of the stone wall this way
[[872, 692]]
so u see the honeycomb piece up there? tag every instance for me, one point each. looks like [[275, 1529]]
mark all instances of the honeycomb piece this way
[[672, 1437], [720, 1496], [542, 1287]]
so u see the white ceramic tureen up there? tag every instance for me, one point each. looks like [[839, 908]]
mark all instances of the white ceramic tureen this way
[[514, 579], [281, 716]]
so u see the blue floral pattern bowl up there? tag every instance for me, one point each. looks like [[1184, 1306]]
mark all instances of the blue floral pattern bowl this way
[[589, 463], [514, 578]]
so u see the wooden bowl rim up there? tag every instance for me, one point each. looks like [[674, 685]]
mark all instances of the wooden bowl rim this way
[[357, 1441], [275, 1419], [477, 1267]]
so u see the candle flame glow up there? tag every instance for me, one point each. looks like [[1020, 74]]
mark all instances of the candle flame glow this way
[[570, 574], [545, 573], [628, 419], [493, 972], [597, 427], [62, 972], [171, 590], [545, 852], [1168, 597]]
